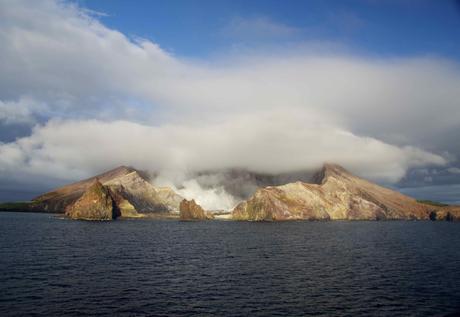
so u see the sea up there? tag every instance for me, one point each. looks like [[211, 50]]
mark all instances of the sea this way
[[52, 266]]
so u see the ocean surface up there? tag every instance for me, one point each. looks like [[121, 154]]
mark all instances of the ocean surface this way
[[56, 267]]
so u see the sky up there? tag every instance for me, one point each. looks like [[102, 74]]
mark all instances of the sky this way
[[202, 28], [179, 87]]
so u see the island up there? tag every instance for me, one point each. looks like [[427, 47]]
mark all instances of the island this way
[[333, 194]]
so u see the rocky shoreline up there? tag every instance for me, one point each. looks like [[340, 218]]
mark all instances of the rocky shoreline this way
[[333, 194]]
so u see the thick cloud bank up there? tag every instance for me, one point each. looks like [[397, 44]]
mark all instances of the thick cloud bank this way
[[268, 144], [97, 99]]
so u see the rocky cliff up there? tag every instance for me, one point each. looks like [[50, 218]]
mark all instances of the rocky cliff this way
[[334, 194], [190, 210], [57, 200], [144, 196], [131, 188], [126, 209], [96, 203], [447, 213]]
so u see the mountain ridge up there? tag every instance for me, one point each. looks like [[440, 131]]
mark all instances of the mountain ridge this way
[[334, 194], [131, 184]]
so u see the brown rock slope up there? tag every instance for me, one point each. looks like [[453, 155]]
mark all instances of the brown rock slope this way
[[57, 200], [130, 185], [144, 196], [335, 194], [126, 209], [190, 210], [96, 203]]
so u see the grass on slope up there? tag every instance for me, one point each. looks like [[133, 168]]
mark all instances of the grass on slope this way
[[15, 206], [432, 203]]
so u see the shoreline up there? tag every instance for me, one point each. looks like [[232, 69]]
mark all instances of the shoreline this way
[[221, 217]]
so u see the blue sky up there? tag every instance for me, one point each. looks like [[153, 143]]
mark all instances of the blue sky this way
[[200, 28], [178, 87]]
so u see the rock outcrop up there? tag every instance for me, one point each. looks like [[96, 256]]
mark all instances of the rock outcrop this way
[[131, 188], [126, 209], [190, 210], [145, 197], [57, 200], [96, 203], [335, 194], [447, 213]]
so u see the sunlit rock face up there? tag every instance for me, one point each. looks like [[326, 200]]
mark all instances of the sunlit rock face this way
[[133, 191], [144, 196], [190, 210], [448, 213], [96, 203], [126, 209], [335, 194]]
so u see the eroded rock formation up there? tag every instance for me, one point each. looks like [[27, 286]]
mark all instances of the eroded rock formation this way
[[143, 195], [126, 209], [190, 210], [131, 188], [96, 203], [447, 213], [335, 194]]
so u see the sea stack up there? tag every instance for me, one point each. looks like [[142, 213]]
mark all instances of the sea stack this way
[[96, 203], [190, 210]]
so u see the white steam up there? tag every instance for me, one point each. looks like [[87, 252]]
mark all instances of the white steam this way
[[214, 198], [103, 100]]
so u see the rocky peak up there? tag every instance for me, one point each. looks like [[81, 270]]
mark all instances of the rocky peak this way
[[96, 188], [144, 196], [190, 210], [330, 170], [131, 179], [335, 194], [58, 199], [122, 169], [96, 203], [131, 184]]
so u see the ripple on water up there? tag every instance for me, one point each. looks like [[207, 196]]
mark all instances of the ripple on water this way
[[52, 266]]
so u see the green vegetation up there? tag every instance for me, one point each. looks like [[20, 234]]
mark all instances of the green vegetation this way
[[15, 206], [432, 203]]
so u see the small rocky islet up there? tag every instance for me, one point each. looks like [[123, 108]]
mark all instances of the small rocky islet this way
[[190, 210], [333, 194]]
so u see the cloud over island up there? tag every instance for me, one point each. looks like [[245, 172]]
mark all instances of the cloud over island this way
[[94, 98]]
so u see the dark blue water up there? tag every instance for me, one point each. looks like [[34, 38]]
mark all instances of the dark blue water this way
[[50, 266]]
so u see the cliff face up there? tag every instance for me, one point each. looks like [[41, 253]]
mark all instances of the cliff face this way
[[448, 213], [96, 203], [57, 200], [190, 210], [144, 196], [132, 189], [335, 194], [125, 208]]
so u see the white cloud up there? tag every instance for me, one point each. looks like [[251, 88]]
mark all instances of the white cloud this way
[[22, 111], [454, 170], [112, 100], [273, 143]]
